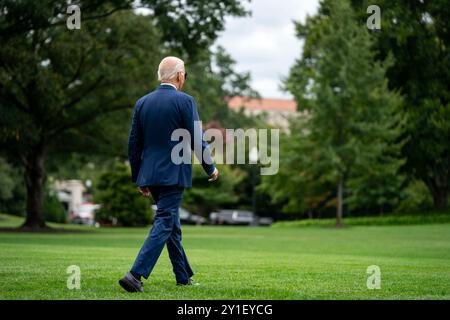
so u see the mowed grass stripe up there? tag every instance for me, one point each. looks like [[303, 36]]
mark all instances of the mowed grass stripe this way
[[236, 263]]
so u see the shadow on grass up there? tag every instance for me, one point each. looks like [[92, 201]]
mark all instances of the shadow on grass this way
[[16, 224], [47, 230]]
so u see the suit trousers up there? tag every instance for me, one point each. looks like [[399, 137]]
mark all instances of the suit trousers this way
[[166, 230]]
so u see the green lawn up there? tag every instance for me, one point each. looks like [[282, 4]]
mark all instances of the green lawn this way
[[235, 263]]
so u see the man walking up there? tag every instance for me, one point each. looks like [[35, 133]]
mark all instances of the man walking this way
[[156, 116]]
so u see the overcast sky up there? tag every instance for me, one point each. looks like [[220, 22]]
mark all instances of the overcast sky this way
[[265, 43]]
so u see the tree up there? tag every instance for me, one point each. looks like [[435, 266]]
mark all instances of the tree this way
[[353, 121], [212, 81], [379, 189], [7, 182], [186, 26], [300, 185], [12, 191], [54, 82], [203, 199], [119, 199], [57, 86], [53, 208], [417, 34]]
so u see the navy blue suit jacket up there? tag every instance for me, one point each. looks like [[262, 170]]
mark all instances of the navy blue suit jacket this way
[[155, 117]]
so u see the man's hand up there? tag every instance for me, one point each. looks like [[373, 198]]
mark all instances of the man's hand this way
[[144, 191], [214, 176]]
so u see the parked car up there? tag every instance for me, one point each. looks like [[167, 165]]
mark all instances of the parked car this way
[[265, 221], [186, 217], [238, 217], [85, 214], [85, 221], [231, 217]]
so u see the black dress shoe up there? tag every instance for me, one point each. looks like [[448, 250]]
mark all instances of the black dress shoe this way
[[188, 283], [131, 284]]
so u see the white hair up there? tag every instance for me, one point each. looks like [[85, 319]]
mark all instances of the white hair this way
[[169, 67]]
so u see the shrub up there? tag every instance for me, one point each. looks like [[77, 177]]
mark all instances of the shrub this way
[[53, 209], [416, 197], [12, 189], [120, 200], [424, 218]]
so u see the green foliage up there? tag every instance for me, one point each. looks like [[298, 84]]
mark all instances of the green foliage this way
[[415, 197], [186, 26], [389, 220], [192, 26], [417, 35], [120, 200], [203, 198], [351, 124], [53, 209], [74, 78], [212, 81], [7, 182], [379, 188], [299, 185], [60, 91], [79, 166], [233, 83], [67, 91], [12, 190]]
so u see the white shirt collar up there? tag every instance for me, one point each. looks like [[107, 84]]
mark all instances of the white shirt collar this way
[[169, 84]]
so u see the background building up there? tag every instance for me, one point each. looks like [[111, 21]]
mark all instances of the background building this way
[[276, 111]]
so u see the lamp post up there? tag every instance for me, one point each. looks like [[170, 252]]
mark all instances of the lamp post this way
[[253, 157]]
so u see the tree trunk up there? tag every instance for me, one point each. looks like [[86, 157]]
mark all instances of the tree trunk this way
[[35, 184], [340, 199], [440, 199], [439, 189]]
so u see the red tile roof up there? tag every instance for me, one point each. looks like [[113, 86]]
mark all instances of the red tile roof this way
[[263, 104]]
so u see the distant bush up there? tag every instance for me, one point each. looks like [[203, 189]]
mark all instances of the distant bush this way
[[53, 209], [430, 218], [415, 197], [120, 200], [203, 199], [12, 189]]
